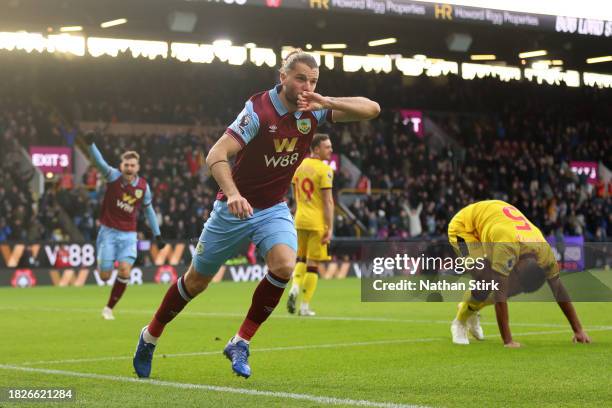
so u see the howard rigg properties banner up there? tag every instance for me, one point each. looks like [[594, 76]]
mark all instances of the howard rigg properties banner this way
[[442, 12]]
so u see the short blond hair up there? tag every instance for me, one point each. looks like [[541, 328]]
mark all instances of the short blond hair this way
[[130, 154]]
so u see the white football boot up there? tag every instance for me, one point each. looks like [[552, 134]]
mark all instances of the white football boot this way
[[107, 313], [305, 311], [460, 332], [474, 327]]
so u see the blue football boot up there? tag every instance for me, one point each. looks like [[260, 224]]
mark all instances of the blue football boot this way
[[238, 354], [143, 357]]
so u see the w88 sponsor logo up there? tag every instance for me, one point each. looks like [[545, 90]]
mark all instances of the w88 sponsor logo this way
[[283, 161], [73, 255]]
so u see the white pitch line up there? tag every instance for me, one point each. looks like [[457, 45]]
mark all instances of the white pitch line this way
[[256, 350], [280, 316], [289, 348], [215, 388]]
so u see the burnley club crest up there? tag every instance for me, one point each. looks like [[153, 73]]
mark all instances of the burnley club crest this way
[[303, 126]]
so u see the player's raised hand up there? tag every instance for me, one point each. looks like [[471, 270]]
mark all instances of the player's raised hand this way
[[239, 206], [90, 137], [513, 344], [311, 101], [581, 337]]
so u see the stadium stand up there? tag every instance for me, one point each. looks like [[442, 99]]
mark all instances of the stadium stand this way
[[505, 140]]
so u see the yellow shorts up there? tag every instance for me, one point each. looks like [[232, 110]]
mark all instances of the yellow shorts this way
[[501, 255], [310, 247], [465, 244]]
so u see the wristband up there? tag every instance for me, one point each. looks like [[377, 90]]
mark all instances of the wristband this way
[[220, 161]]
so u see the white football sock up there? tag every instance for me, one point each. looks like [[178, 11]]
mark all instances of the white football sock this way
[[237, 338], [148, 338]]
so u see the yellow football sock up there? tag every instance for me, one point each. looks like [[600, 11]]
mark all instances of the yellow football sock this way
[[309, 285], [298, 274], [463, 312], [469, 306]]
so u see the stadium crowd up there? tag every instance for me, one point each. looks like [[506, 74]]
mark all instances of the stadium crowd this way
[[21, 216], [512, 141], [516, 144], [494, 160]]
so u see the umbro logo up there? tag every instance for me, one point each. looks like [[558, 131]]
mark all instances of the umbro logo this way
[[272, 128]]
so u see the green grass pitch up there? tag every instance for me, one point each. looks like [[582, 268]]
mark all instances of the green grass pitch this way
[[351, 354]]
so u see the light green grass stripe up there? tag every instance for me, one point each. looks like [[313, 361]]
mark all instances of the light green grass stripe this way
[[305, 347], [256, 350], [279, 316], [215, 388]]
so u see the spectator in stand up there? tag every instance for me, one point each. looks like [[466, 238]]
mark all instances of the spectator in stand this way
[[5, 230]]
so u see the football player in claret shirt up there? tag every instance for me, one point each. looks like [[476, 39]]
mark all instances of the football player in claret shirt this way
[[270, 138], [314, 221], [516, 255], [126, 193]]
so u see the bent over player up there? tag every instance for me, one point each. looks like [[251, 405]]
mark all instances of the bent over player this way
[[125, 194], [516, 255], [314, 221], [269, 138]]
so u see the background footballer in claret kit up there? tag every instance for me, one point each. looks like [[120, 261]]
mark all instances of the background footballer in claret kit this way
[[151, 149]]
